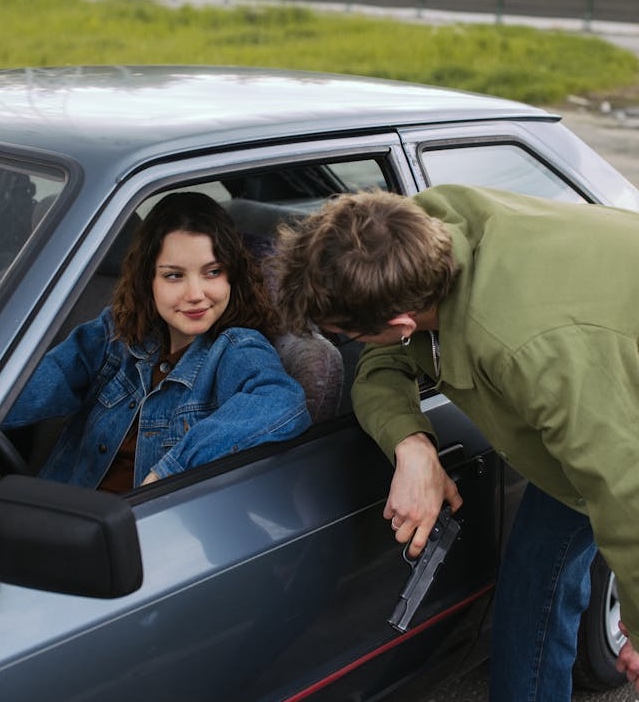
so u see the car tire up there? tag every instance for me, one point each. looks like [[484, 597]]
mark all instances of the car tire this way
[[599, 637]]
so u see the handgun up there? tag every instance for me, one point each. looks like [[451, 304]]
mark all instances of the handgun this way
[[424, 568]]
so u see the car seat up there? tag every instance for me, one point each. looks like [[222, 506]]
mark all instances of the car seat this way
[[312, 360]]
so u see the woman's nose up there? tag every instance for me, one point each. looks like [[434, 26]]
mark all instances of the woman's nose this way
[[194, 290]]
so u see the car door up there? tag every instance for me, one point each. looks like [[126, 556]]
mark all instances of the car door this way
[[268, 575]]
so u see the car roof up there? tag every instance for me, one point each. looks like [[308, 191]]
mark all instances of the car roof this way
[[127, 114]]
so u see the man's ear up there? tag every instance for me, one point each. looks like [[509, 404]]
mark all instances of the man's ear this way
[[404, 323]]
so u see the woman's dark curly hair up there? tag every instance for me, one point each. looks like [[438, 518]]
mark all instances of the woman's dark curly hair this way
[[134, 311]]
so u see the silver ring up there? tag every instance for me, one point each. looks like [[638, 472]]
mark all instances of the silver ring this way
[[393, 525]]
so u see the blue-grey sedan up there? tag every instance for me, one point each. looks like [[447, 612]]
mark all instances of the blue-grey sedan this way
[[270, 574]]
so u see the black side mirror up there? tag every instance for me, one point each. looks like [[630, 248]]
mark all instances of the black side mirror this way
[[67, 539]]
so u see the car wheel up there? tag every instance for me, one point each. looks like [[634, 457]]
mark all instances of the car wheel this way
[[600, 638]]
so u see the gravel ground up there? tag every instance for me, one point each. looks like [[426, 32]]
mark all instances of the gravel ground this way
[[474, 688], [613, 135]]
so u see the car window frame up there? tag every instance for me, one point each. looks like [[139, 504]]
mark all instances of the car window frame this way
[[477, 143], [546, 140], [26, 161], [81, 263]]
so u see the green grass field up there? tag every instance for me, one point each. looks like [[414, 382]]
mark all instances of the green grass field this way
[[514, 62]]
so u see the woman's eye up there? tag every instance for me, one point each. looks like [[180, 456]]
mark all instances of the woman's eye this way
[[214, 272], [172, 276]]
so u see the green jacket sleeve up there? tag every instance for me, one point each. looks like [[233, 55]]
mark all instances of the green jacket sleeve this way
[[386, 397], [579, 386]]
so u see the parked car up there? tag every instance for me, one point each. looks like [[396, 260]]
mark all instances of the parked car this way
[[270, 574]]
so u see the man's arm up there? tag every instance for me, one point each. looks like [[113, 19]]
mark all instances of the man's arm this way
[[386, 402]]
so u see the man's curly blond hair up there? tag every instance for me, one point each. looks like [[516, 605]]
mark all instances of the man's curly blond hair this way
[[360, 261]]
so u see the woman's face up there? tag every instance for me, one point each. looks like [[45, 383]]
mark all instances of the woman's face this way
[[190, 288]]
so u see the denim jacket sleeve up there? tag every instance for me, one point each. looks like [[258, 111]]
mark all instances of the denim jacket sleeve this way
[[64, 376], [257, 402]]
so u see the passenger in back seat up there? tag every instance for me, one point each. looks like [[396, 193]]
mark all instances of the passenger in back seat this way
[[178, 371]]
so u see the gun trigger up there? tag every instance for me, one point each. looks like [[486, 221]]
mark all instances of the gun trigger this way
[[411, 561]]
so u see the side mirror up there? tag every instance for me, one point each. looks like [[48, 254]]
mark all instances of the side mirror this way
[[67, 539]]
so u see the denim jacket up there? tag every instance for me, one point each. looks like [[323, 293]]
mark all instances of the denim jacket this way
[[222, 396]]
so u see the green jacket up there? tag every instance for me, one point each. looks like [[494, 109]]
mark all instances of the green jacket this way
[[540, 348]]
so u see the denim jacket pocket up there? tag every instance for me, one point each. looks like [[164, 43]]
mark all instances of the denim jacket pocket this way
[[114, 392], [184, 419]]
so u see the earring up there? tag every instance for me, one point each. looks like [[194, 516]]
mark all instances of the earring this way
[[405, 341]]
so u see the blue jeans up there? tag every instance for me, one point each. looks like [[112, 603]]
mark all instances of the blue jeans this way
[[543, 587]]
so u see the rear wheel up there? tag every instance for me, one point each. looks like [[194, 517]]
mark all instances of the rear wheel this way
[[600, 638]]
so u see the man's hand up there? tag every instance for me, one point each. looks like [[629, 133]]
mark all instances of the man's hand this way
[[628, 660], [418, 489]]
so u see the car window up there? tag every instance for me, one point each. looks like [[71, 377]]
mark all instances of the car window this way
[[27, 193], [306, 185], [257, 201], [502, 166], [360, 175], [213, 189], [301, 187]]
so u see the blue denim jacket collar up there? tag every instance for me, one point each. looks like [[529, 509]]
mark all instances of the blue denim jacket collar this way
[[186, 369]]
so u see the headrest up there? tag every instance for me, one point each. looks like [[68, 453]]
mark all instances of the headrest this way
[[259, 218]]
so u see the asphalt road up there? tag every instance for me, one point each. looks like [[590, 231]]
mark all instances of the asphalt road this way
[[605, 10], [474, 688], [615, 136]]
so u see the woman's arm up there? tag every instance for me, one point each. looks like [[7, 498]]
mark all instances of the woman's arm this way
[[257, 402], [63, 377]]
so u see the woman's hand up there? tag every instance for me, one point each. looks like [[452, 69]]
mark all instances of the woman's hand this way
[[628, 660], [418, 490], [150, 478]]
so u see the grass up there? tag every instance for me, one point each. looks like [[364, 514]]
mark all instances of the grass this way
[[521, 63]]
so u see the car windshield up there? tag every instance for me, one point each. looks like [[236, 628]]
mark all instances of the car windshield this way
[[27, 193]]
